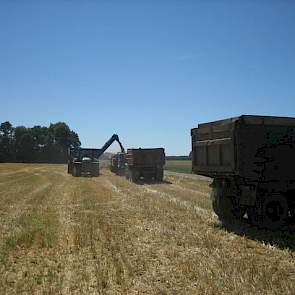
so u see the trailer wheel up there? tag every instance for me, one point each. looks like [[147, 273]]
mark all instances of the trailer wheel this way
[[274, 211], [292, 212], [134, 176], [225, 205], [127, 174], [270, 212], [159, 175], [130, 175], [253, 215]]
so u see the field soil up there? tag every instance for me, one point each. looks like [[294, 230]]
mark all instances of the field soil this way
[[105, 235]]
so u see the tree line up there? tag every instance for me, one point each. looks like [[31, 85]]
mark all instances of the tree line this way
[[176, 158], [38, 144]]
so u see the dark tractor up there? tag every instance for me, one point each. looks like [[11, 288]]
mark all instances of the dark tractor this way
[[85, 161]]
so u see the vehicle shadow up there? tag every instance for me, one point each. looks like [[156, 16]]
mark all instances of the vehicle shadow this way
[[283, 239]]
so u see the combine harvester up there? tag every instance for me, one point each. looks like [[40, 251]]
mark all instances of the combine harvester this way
[[85, 161], [251, 160]]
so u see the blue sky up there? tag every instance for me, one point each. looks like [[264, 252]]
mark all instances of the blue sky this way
[[147, 70]]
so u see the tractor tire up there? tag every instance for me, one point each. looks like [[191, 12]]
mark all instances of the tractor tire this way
[[76, 171], [95, 172]]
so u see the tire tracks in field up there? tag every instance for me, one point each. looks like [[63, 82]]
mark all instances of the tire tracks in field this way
[[194, 191], [67, 242], [15, 179], [11, 171], [60, 200], [79, 265], [19, 175], [14, 211], [116, 237], [37, 210], [111, 248], [154, 214], [20, 203], [24, 202], [115, 273], [82, 258], [204, 213]]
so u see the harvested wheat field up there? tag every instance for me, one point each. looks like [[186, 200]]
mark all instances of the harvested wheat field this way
[[105, 235]]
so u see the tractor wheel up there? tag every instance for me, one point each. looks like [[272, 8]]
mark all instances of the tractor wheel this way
[[76, 171], [95, 173]]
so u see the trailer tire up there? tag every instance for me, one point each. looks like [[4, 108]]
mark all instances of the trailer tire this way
[[274, 212], [269, 212], [225, 205], [134, 176], [127, 174], [292, 212], [131, 175], [159, 175], [254, 216]]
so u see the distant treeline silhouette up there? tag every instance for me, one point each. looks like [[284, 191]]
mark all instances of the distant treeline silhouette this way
[[38, 144], [176, 158]]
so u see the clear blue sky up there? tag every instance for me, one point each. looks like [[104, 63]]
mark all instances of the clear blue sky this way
[[147, 70]]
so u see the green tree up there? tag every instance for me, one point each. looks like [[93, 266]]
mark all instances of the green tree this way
[[61, 137], [74, 140], [24, 144], [40, 135], [37, 144], [6, 142]]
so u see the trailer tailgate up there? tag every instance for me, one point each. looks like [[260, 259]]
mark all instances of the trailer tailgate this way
[[213, 148]]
